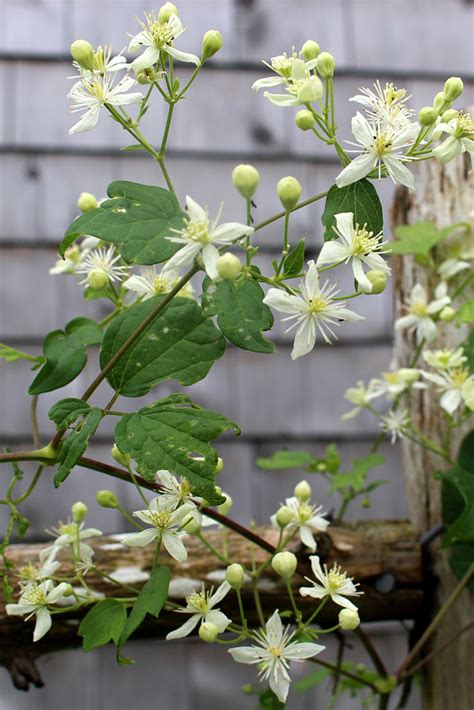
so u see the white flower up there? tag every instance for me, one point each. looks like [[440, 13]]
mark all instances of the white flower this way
[[282, 66], [201, 606], [148, 283], [381, 146], [461, 138], [29, 573], [90, 94], [457, 386], [385, 105], [157, 37], [395, 423], [445, 359], [397, 381], [70, 263], [71, 535], [361, 396], [102, 261], [103, 63], [457, 251], [173, 491], [307, 518], [333, 583], [166, 526], [315, 309], [421, 311], [302, 87], [200, 237], [275, 649], [35, 600], [357, 244]]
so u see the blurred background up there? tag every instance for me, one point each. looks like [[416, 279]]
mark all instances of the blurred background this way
[[278, 402]]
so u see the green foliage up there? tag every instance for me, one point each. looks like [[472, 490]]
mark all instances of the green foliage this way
[[267, 700], [241, 314], [137, 219], [466, 313], [170, 435], [468, 350], [285, 459], [361, 199], [417, 238], [103, 623], [150, 601], [66, 411], [11, 354], [294, 261], [76, 443], [65, 354], [180, 344], [353, 483]]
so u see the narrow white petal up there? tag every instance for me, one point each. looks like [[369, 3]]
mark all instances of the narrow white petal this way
[[362, 130], [300, 651], [43, 623], [230, 231], [342, 601], [185, 629], [399, 173], [284, 302], [357, 169], [88, 120], [345, 225], [267, 82], [140, 539], [279, 682], [146, 60], [175, 547], [274, 629], [183, 56], [332, 252], [219, 594], [210, 255], [307, 537], [185, 256], [281, 99], [305, 338], [219, 619], [450, 400], [360, 276], [245, 654]]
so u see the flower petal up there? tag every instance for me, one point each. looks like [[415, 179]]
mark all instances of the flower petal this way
[[140, 539], [305, 339], [245, 654], [300, 651], [175, 547], [357, 169], [219, 619], [43, 623], [183, 56], [185, 629]]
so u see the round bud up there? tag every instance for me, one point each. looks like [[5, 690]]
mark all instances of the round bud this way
[[440, 104], [235, 575], [310, 50], [220, 466], [146, 76], [427, 116], [447, 314], [303, 491], [86, 202], [289, 192], [83, 53], [305, 120], [284, 564], [117, 455], [211, 43], [225, 507], [229, 266], [284, 516], [326, 65], [79, 511], [166, 11], [191, 524], [453, 88], [248, 689], [349, 619], [208, 632], [365, 503], [106, 499], [409, 375], [378, 279], [68, 591], [449, 115], [97, 279], [246, 179]]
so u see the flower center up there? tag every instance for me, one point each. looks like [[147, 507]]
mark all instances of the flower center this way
[[464, 127], [419, 309], [198, 231], [317, 305], [458, 377], [98, 89], [101, 59], [161, 519], [275, 651], [305, 512], [28, 572], [382, 144], [160, 32], [283, 65], [35, 596], [68, 529], [364, 241], [160, 284], [335, 579], [198, 601], [392, 94]]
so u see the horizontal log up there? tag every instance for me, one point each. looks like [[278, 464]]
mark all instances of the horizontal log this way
[[383, 556]]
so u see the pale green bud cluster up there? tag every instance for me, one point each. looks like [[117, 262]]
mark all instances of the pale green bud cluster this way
[[326, 65], [305, 120], [235, 575], [284, 516], [378, 279], [79, 511], [211, 44], [146, 76], [303, 491], [83, 53], [427, 116], [447, 314], [289, 191], [117, 455], [284, 564], [246, 179], [208, 632], [87, 201], [97, 279], [166, 11], [229, 266], [453, 88], [107, 499], [310, 50], [349, 619]]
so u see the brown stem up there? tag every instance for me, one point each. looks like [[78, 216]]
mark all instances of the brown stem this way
[[348, 674], [372, 651]]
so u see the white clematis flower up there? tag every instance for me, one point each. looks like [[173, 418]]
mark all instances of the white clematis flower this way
[[381, 146], [456, 386], [395, 382], [445, 359], [282, 66], [276, 648], [71, 535], [102, 261], [354, 244], [461, 139], [29, 573], [91, 94], [306, 520], [157, 37], [385, 105], [201, 607], [35, 600], [361, 396], [330, 583], [199, 237], [174, 491], [149, 283], [103, 63], [395, 423], [315, 309], [302, 87], [421, 311]]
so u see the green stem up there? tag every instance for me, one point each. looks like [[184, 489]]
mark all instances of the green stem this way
[[280, 215], [372, 651], [31, 487], [286, 243], [315, 613], [348, 674], [193, 76], [462, 285], [258, 603], [212, 549], [34, 422]]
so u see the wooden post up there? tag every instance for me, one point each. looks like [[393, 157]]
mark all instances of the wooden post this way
[[444, 196]]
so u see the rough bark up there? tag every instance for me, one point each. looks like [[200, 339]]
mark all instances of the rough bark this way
[[444, 196]]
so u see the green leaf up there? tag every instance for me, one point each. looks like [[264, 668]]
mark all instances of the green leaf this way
[[138, 219], [294, 261], [355, 479], [462, 557], [312, 679], [11, 354], [361, 199], [457, 496], [103, 623], [468, 350], [66, 354], [241, 314], [76, 443], [150, 601], [170, 435], [180, 344], [66, 411], [417, 238], [285, 459], [466, 313]]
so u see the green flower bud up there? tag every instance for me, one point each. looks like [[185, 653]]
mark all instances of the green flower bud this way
[[409, 375], [211, 43], [305, 120], [349, 619], [166, 11], [449, 115], [284, 516], [122, 459], [453, 88], [248, 689], [229, 266], [440, 104], [284, 564], [447, 314], [246, 179], [303, 491], [235, 575], [427, 116], [191, 525], [289, 192], [220, 466], [378, 279], [86, 202], [225, 507], [97, 279], [310, 50], [208, 632], [146, 76], [79, 511], [365, 503], [106, 499], [83, 53], [326, 65], [68, 591]]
